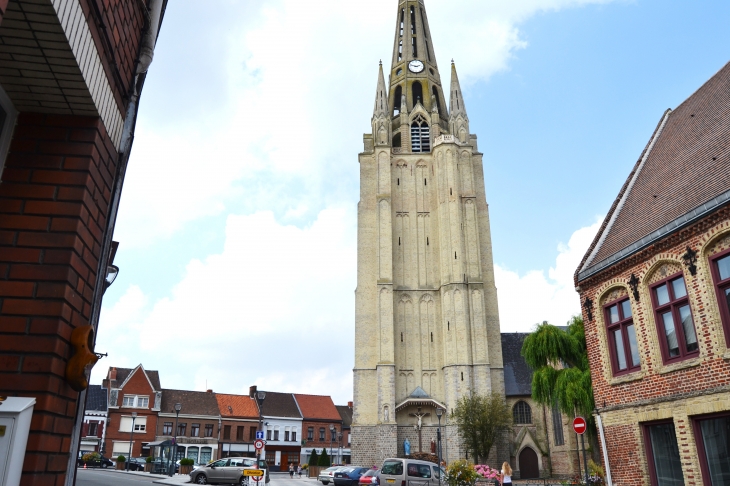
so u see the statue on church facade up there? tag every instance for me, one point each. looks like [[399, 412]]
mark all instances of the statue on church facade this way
[[407, 447]]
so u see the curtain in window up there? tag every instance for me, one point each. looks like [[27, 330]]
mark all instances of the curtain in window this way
[[206, 454], [193, 453], [667, 463], [716, 439]]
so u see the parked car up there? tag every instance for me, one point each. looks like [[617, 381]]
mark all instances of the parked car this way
[[137, 463], [97, 461], [226, 471], [367, 478], [349, 476], [409, 472], [327, 475]]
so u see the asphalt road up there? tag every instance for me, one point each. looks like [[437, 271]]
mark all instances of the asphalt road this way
[[98, 477]]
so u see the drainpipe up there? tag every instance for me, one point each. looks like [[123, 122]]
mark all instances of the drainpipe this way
[[599, 422]]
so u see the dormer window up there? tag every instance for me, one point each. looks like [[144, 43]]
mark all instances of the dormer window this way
[[135, 401], [420, 135]]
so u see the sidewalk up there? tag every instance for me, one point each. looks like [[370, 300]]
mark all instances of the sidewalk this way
[[159, 479]]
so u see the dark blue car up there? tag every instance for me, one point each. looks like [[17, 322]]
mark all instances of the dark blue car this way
[[349, 476]]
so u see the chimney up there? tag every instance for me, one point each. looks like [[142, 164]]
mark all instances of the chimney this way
[[252, 391], [112, 373], [209, 391], [349, 404]]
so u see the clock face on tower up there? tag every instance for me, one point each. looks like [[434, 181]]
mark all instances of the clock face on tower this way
[[416, 66]]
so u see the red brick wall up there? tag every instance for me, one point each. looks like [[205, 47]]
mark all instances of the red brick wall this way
[[137, 385], [54, 198]]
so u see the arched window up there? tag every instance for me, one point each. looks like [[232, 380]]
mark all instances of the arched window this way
[[420, 135], [522, 413], [397, 100], [438, 99], [417, 93], [396, 140]]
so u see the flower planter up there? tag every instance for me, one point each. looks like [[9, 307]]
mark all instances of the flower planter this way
[[186, 469], [148, 467], [120, 465], [314, 471]]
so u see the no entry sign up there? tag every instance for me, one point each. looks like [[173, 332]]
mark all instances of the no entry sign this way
[[580, 425]]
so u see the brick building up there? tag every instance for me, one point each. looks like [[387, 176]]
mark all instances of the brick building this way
[[655, 292], [198, 423], [239, 422], [321, 426], [71, 75], [132, 391], [95, 416], [346, 416]]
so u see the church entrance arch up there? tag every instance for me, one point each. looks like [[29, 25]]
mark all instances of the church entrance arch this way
[[527, 462]]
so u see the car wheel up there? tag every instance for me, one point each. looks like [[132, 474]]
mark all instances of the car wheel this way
[[243, 481], [201, 479], [325, 483], [104, 466]]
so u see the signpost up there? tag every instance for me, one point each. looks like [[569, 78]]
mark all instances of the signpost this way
[[260, 435], [258, 444], [580, 426]]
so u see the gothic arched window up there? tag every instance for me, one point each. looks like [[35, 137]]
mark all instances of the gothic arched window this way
[[438, 99], [417, 90], [522, 413], [397, 100], [420, 135]]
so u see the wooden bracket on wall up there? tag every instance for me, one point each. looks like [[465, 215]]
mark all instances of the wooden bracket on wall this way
[[83, 359]]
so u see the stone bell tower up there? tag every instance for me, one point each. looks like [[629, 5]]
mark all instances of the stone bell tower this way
[[426, 325]]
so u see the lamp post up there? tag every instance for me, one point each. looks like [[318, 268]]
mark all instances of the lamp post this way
[[339, 448], [332, 439], [260, 397], [439, 413], [131, 439], [173, 454]]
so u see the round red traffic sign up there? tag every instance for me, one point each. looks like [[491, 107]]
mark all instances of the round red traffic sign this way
[[580, 425], [258, 444]]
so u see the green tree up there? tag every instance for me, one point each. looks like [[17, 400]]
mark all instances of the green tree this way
[[324, 459], [559, 361], [314, 458], [481, 420]]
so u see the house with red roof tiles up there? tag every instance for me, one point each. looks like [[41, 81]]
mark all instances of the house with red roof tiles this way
[[322, 427], [655, 293], [239, 422]]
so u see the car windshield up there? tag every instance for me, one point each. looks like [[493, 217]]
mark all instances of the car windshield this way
[[394, 468], [332, 468], [370, 473]]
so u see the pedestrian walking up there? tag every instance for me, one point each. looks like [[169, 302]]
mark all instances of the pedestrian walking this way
[[291, 471], [506, 476], [299, 471]]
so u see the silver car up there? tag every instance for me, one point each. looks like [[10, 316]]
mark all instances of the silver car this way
[[327, 476], [223, 471]]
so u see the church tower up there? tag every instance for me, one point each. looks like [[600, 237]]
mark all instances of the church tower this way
[[427, 325]]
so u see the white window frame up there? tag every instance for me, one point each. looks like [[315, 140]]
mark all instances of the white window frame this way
[[6, 130], [136, 401]]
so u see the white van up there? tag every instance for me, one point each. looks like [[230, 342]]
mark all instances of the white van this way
[[409, 472]]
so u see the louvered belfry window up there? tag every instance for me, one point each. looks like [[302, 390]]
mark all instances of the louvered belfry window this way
[[420, 135]]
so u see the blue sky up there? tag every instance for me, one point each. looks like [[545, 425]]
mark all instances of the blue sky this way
[[243, 181]]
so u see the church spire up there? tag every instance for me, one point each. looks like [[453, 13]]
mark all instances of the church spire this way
[[381, 97], [458, 120]]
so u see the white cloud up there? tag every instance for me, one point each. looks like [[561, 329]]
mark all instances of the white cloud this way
[[534, 297]]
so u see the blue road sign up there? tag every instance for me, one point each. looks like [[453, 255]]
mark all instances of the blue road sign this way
[[260, 434]]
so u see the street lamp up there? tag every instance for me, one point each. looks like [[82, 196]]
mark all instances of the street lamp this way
[[131, 439], [260, 397], [171, 469], [339, 448], [439, 413], [332, 438]]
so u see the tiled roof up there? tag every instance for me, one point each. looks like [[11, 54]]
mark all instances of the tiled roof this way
[[123, 374], [280, 405], [685, 169], [317, 407], [345, 415], [517, 375], [241, 406], [193, 402], [96, 398]]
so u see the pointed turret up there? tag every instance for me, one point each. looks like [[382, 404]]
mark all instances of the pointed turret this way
[[458, 120], [381, 113]]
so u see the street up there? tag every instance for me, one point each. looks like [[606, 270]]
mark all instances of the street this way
[[99, 477]]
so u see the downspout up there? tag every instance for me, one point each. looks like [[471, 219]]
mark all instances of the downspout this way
[[143, 61], [599, 422]]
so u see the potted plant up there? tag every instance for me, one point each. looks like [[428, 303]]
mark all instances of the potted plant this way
[[461, 473], [313, 468], [121, 460], [186, 465], [148, 464]]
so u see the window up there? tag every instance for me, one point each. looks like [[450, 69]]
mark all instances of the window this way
[[252, 434], [623, 347], [193, 453], [7, 122], [276, 433], [674, 319], [92, 429], [397, 101], [721, 276], [321, 434], [140, 427], [419, 470], [239, 432], [522, 413], [270, 458], [420, 135], [134, 401], [402, 21], [310, 433], [140, 424], [294, 435], [413, 21], [438, 99], [662, 453], [120, 449], [209, 430], [206, 453], [557, 425], [167, 428], [195, 430], [268, 434], [286, 436], [417, 93], [712, 436], [181, 429], [333, 434], [392, 468], [227, 432]]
